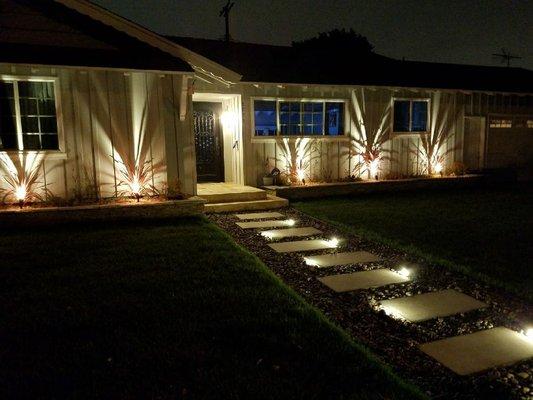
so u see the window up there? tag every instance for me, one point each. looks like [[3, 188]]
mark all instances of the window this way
[[529, 123], [410, 116], [298, 118], [28, 116], [265, 118]]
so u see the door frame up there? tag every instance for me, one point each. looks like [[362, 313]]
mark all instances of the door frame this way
[[231, 125]]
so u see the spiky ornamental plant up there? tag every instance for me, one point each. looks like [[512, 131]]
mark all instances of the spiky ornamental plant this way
[[137, 178], [371, 129], [22, 178], [297, 156], [440, 130]]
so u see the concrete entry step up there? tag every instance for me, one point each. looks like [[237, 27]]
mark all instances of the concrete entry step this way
[[476, 352], [224, 192], [301, 245], [271, 202], [431, 305], [290, 232], [273, 223], [260, 215], [362, 280], [330, 260]]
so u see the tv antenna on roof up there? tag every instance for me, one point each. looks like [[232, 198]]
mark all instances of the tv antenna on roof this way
[[506, 57], [225, 13]]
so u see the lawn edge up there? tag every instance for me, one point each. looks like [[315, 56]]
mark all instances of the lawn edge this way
[[414, 251], [385, 369]]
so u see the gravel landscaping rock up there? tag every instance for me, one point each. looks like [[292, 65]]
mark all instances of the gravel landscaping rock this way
[[396, 342]]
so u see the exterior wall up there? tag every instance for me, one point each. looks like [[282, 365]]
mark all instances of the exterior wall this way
[[369, 120], [110, 120]]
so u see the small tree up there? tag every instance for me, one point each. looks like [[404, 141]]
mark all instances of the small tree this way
[[338, 39]]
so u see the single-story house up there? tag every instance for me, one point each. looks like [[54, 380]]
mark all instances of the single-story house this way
[[93, 105]]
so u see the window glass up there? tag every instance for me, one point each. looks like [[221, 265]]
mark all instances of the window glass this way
[[8, 117], [37, 114], [265, 118], [420, 116], [334, 119], [300, 117], [402, 115]]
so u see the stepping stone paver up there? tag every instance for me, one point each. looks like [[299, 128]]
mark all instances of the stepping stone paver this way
[[301, 245], [330, 260], [264, 224], [475, 352], [431, 305], [291, 232], [259, 215], [362, 280]]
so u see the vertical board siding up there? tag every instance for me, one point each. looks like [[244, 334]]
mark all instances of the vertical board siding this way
[[110, 120]]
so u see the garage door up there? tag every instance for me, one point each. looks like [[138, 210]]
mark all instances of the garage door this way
[[510, 143]]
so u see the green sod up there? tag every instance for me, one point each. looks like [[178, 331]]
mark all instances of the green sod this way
[[166, 311], [484, 233]]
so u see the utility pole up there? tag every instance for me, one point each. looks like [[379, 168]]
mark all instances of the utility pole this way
[[225, 13]]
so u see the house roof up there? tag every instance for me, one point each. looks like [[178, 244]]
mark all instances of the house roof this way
[[284, 64], [78, 33]]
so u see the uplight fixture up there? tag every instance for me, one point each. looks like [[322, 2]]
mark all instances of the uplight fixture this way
[[333, 242], [528, 333], [405, 272], [20, 194], [290, 222]]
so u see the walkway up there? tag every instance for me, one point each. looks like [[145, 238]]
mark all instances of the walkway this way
[[449, 335]]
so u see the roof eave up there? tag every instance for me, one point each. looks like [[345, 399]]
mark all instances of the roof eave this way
[[151, 38]]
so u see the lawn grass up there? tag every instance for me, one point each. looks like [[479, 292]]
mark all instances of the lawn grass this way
[[165, 311], [485, 232]]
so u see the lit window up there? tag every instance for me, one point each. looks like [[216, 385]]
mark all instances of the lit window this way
[[410, 115], [298, 118], [28, 116], [529, 123], [265, 118], [501, 123]]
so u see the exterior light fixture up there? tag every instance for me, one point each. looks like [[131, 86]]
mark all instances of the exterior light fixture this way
[[290, 222], [404, 272], [228, 119], [136, 188], [267, 234], [374, 168], [311, 262], [528, 333], [333, 242], [20, 194]]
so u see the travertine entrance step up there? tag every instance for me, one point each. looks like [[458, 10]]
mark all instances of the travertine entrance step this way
[[302, 245], [266, 224], [479, 351], [290, 232], [362, 280], [260, 215], [330, 260], [431, 305], [223, 192], [271, 203]]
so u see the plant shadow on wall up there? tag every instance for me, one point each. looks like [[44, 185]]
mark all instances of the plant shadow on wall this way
[[22, 173], [130, 170], [296, 156], [432, 148], [371, 116]]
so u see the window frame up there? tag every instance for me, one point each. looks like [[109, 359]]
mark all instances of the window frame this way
[[60, 151], [279, 135], [411, 100]]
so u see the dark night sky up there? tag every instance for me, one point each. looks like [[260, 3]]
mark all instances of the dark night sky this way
[[458, 31]]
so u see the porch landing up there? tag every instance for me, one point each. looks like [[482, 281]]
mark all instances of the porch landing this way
[[225, 197]]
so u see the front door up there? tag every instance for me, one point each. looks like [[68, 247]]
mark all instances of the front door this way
[[208, 140]]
